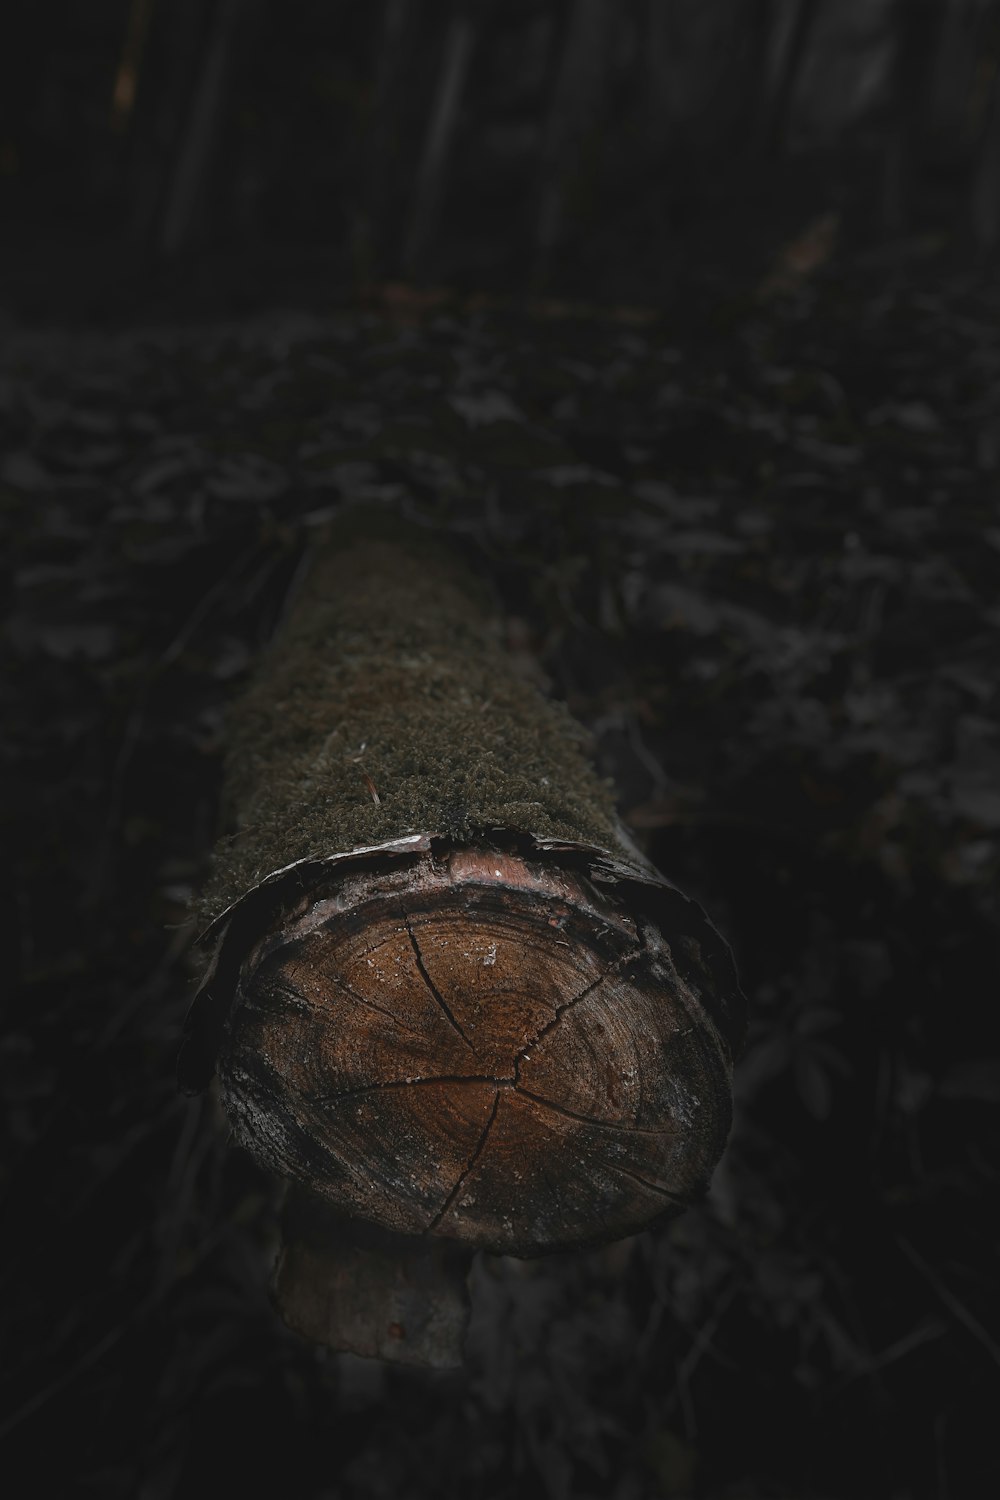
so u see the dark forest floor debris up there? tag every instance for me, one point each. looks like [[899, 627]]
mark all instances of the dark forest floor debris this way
[[761, 561]]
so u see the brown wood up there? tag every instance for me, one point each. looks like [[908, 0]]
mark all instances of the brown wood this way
[[483, 1048]]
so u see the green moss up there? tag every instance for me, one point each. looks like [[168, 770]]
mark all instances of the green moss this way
[[389, 680]]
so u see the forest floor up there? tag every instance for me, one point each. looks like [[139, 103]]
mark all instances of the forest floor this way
[[758, 553]]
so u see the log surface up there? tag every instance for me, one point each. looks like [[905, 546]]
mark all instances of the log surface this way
[[447, 1000], [387, 706], [484, 1048]]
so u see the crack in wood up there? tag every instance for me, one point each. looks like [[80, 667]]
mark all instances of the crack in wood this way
[[561, 1010], [625, 1126], [432, 986], [654, 1187], [294, 999], [463, 1175], [404, 1083], [374, 1005], [280, 990]]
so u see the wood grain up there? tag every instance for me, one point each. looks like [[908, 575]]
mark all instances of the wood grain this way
[[482, 1048]]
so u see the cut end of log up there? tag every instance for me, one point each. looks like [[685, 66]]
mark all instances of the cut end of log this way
[[476, 1047]]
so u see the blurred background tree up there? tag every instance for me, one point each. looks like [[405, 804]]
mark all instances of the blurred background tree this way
[[552, 144]]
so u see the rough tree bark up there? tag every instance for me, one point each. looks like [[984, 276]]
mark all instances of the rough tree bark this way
[[447, 1000]]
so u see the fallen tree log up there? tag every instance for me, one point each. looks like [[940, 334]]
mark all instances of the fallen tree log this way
[[446, 999]]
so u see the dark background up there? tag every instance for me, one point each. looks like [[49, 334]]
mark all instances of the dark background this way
[[684, 315]]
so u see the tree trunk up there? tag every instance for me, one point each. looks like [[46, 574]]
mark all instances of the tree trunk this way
[[130, 65], [914, 22], [378, 165], [658, 103], [448, 1000], [953, 75], [573, 128], [175, 46], [429, 188], [986, 179], [791, 33], [186, 195]]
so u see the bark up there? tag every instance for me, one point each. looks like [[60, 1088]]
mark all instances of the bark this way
[[447, 998]]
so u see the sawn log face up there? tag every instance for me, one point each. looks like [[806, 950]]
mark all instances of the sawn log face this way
[[480, 1047]]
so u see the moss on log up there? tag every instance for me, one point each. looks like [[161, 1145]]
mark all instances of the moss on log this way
[[387, 707], [446, 999]]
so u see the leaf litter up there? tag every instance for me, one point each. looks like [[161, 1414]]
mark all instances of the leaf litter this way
[[759, 564]]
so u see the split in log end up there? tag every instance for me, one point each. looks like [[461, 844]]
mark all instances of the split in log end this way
[[477, 1047]]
